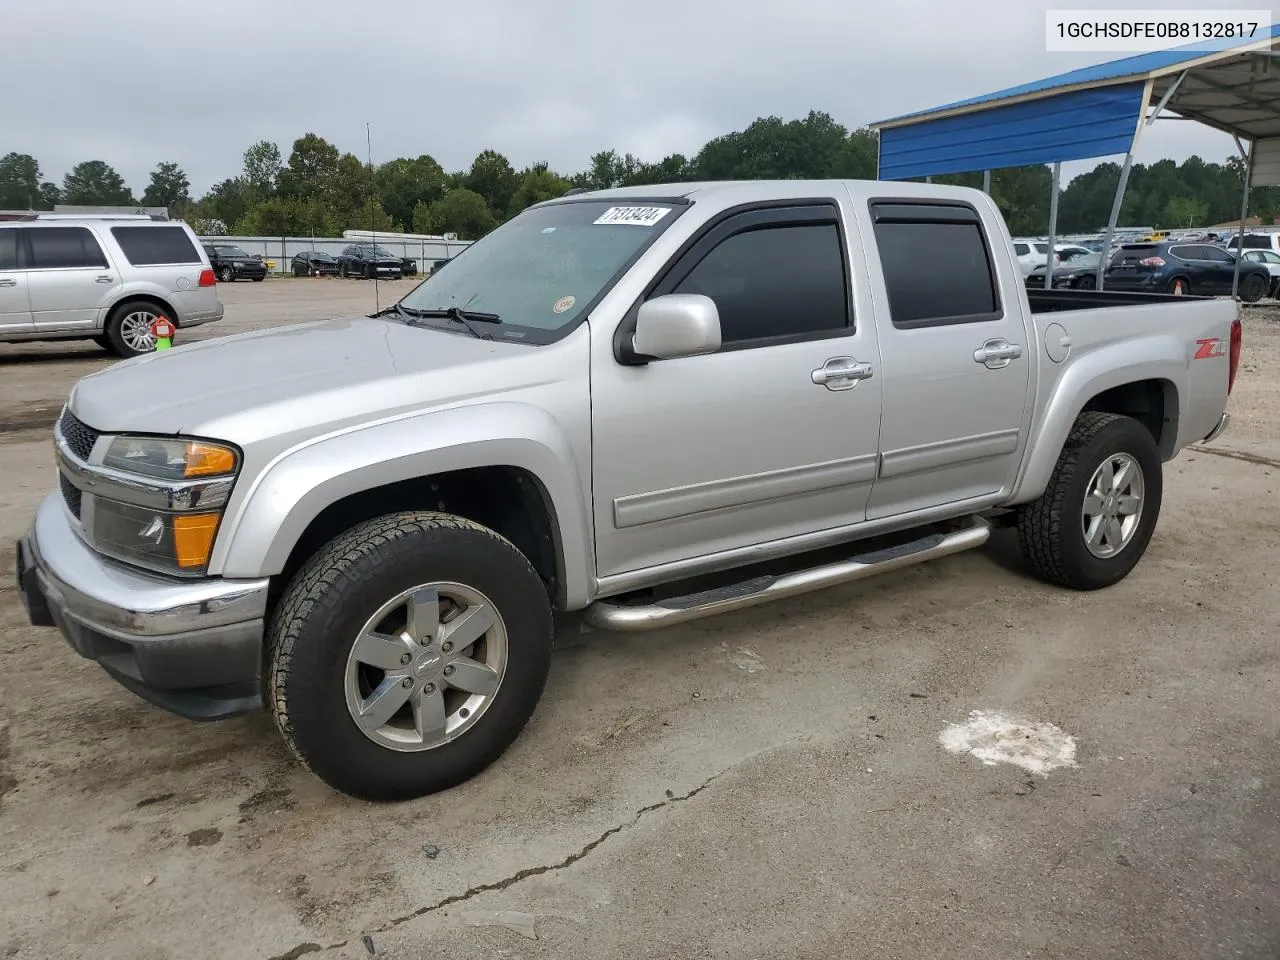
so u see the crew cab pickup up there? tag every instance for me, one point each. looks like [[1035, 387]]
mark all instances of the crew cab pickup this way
[[645, 404]]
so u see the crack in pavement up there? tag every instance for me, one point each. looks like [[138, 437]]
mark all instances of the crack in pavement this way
[[568, 861], [1237, 455]]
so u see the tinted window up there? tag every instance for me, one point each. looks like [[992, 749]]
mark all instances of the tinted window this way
[[155, 245], [1257, 241], [936, 272], [1042, 248], [1187, 252], [8, 249], [1021, 249], [774, 282], [1213, 253], [64, 247]]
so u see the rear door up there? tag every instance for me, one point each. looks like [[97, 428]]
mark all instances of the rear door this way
[[15, 307], [955, 353], [69, 278]]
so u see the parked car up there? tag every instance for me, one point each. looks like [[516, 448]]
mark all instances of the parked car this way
[[439, 265], [231, 263], [1255, 241], [1078, 273], [367, 261], [1269, 260], [311, 262], [1070, 251], [365, 524], [408, 267], [1030, 254], [102, 278], [1202, 269]]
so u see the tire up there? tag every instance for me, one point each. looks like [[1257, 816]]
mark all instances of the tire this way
[[1087, 282], [1253, 288], [125, 325], [104, 342], [1052, 529], [227, 275], [1179, 287], [315, 686], [259, 279]]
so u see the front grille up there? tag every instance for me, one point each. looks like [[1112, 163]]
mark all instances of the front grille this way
[[80, 437], [71, 494]]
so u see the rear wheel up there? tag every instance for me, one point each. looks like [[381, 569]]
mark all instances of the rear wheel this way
[[408, 654], [129, 329], [1087, 282], [1253, 288], [1179, 287], [259, 279], [1095, 518]]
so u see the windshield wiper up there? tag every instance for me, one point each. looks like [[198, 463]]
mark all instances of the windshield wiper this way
[[465, 317]]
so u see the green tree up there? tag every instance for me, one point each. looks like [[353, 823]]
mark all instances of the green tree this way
[[492, 177], [94, 182], [226, 201], [1185, 212], [403, 184], [19, 182], [50, 196], [169, 187], [459, 211], [262, 168], [287, 217], [369, 217], [537, 184], [608, 170], [312, 168]]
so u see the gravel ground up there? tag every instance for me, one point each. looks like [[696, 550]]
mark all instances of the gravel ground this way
[[769, 783]]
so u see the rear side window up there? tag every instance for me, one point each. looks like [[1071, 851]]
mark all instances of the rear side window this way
[[1257, 241], [936, 263], [8, 249], [774, 282], [54, 247], [153, 246], [1021, 249]]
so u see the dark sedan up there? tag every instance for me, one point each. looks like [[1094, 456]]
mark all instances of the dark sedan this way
[[230, 263], [1078, 273], [311, 263], [1199, 269], [369, 261]]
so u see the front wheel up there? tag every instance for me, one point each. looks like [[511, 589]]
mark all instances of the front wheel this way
[[408, 654], [1253, 288], [226, 275], [1095, 518]]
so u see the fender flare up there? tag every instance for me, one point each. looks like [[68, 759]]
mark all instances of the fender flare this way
[[263, 524], [1164, 358]]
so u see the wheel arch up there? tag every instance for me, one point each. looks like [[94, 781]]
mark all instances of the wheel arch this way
[[474, 459], [139, 297]]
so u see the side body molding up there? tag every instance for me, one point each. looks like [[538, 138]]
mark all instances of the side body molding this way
[[256, 540], [1158, 357]]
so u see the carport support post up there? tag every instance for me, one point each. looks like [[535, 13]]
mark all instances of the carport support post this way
[[1053, 227], [1115, 216], [1244, 212]]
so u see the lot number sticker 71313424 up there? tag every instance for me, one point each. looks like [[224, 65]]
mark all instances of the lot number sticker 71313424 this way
[[633, 216]]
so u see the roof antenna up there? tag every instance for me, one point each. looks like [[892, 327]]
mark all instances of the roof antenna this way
[[377, 302]]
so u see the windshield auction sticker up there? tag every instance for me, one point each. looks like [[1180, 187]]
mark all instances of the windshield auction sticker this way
[[633, 216]]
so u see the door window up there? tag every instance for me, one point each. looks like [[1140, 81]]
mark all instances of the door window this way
[[63, 247], [8, 249], [774, 281]]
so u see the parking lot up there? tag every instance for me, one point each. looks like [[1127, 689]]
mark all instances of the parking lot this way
[[763, 784]]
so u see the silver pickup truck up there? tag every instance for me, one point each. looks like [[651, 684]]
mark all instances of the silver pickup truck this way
[[647, 404]]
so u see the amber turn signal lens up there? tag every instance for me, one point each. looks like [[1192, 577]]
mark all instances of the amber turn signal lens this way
[[206, 460], [193, 538]]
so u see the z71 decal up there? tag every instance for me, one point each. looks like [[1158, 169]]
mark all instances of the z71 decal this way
[[1210, 348]]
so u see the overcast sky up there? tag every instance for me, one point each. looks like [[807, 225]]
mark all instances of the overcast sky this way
[[141, 81]]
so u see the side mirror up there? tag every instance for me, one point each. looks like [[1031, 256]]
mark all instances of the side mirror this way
[[677, 325]]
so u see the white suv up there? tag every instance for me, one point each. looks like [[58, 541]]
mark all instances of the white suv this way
[[102, 278]]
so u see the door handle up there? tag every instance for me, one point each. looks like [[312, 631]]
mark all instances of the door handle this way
[[841, 373], [103, 279], [6, 282], [995, 354]]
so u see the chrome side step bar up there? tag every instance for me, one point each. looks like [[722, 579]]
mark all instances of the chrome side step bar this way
[[664, 613]]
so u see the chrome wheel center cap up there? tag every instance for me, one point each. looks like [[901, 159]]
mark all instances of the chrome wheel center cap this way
[[427, 666]]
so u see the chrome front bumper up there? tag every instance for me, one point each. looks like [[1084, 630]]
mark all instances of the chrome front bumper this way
[[193, 647]]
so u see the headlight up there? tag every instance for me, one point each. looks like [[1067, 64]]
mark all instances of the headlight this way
[[167, 520], [170, 459]]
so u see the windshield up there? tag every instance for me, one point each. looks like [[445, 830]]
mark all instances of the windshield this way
[[375, 252], [318, 255], [542, 270], [230, 252]]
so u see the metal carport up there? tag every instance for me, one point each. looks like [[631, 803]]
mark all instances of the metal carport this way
[[1100, 111]]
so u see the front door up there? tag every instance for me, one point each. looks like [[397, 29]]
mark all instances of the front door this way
[[69, 280], [15, 308], [956, 357], [762, 440]]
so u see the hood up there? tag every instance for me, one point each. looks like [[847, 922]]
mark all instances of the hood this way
[[326, 373]]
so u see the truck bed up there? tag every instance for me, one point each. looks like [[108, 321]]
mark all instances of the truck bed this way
[[1055, 301]]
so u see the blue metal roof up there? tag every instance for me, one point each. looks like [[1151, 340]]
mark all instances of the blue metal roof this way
[[1092, 122], [1142, 66]]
